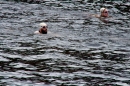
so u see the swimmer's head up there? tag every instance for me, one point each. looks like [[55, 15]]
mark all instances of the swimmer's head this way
[[43, 29], [104, 12]]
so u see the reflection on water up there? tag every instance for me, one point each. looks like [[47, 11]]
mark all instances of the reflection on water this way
[[79, 50]]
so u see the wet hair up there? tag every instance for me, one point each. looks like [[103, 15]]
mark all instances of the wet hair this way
[[103, 9]]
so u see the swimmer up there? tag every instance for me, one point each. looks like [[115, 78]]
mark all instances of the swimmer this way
[[103, 16], [103, 13], [43, 29]]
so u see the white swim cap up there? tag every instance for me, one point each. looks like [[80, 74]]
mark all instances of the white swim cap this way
[[102, 9], [43, 24]]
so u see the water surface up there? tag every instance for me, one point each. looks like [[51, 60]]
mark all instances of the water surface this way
[[79, 50]]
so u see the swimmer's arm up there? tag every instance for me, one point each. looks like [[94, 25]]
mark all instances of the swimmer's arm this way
[[95, 15], [36, 32]]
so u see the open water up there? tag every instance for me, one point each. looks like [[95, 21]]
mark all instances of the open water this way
[[79, 50]]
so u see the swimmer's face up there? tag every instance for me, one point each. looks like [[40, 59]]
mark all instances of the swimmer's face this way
[[104, 13], [43, 30]]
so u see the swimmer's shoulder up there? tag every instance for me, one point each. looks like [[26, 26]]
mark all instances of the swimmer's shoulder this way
[[99, 16], [95, 15]]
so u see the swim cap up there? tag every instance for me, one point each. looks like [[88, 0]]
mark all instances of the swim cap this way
[[43, 24]]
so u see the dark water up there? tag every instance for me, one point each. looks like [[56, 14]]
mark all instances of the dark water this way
[[78, 51]]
